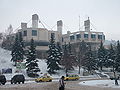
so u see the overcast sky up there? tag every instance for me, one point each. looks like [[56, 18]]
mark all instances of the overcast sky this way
[[104, 14]]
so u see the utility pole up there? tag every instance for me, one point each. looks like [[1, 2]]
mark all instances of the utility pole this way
[[79, 22]]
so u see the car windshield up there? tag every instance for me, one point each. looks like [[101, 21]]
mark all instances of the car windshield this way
[[45, 77], [73, 76]]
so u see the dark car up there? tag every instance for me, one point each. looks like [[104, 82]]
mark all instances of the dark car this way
[[2, 79], [17, 79]]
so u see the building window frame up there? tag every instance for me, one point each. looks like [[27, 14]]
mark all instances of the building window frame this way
[[78, 36], [25, 33], [100, 37], [72, 37], [34, 32], [93, 36], [86, 36]]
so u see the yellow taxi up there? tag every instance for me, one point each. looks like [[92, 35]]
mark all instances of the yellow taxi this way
[[72, 77], [44, 79]]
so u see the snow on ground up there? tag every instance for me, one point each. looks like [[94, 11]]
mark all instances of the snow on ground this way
[[5, 58], [5, 63], [101, 83]]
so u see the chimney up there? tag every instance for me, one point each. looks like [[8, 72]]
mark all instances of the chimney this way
[[59, 26], [23, 25], [87, 25], [35, 20], [59, 29]]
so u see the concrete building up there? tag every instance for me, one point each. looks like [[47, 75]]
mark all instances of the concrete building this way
[[91, 37], [42, 36]]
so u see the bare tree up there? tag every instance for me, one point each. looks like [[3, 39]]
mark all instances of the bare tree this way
[[8, 38], [9, 30]]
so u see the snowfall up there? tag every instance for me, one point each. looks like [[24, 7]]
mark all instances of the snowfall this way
[[6, 63]]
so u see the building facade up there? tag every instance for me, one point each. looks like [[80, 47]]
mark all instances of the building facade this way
[[42, 36], [91, 37]]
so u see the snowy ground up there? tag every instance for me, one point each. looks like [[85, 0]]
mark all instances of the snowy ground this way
[[5, 63], [101, 83]]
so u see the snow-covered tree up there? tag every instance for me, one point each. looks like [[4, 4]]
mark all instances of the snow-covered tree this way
[[117, 60], [31, 61], [59, 53], [72, 55], [68, 60], [101, 56], [54, 57], [81, 54], [89, 60], [111, 57], [17, 51]]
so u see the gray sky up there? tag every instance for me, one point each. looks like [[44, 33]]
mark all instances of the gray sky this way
[[104, 14]]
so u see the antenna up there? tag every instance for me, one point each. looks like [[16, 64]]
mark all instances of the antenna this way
[[79, 22]]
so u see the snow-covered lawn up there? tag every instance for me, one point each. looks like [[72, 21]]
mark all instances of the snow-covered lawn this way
[[5, 63], [101, 83]]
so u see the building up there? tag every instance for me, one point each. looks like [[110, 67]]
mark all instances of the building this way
[[91, 37], [42, 36]]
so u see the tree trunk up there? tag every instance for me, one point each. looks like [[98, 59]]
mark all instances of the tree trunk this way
[[101, 68], [79, 70], [115, 77]]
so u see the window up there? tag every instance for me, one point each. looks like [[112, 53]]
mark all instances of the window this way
[[93, 36], [78, 36], [20, 33], [25, 33], [85, 35], [100, 37], [34, 32], [72, 37]]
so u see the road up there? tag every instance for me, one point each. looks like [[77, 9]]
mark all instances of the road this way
[[70, 85]]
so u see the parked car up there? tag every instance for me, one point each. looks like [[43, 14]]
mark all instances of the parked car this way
[[44, 79], [17, 79], [2, 79], [72, 77]]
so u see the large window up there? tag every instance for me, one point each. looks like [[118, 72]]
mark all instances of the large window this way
[[25, 33], [34, 32], [78, 36], [72, 37], [100, 37], [93, 36], [85, 35]]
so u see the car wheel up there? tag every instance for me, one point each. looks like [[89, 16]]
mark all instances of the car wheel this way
[[37, 81], [15, 82], [50, 80], [22, 82], [40, 81], [18, 82], [3, 83], [67, 79]]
